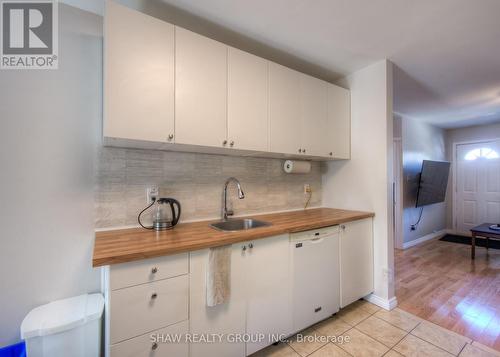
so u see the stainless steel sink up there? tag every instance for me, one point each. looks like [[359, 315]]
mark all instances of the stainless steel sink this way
[[234, 225]]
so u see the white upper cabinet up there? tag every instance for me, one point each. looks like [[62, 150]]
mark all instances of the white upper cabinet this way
[[166, 86], [284, 109], [139, 76], [313, 115], [248, 98], [200, 89], [339, 123]]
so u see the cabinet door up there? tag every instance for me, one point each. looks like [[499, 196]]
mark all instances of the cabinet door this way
[[225, 319], [356, 260], [247, 122], [284, 110], [200, 89], [269, 309], [314, 115], [143, 346], [146, 307], [139, 75], [339, 122]]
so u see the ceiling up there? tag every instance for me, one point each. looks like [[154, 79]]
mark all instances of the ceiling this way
[[446, 52]]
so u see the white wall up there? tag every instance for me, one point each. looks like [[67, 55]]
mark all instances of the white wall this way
[[364, 182], [50, 122], [421, 141], [465, 135]]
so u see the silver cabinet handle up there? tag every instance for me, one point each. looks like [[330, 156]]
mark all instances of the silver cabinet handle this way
[[244, 248], [224, 143], [343, 227], [170, 137], [154, 296], [231, 143], [250, 245], [154, 346], [154, 270]]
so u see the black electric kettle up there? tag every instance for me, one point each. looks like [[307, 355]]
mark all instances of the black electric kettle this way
[[164, 214]]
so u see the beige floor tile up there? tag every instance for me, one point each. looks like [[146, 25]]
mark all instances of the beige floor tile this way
[[412, 346], [486, 348], [438, 336], [393, 353], [473, 351], [280, 350], [399, 318], [353, 314], [368, 306], [382, 331], [330, 350], [361, 345], [307, 341], [331, 327]]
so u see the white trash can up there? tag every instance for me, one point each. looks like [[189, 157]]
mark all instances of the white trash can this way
[[63, 328]]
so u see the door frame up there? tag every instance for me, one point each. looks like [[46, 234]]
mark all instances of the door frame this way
[[454, 178], [397, 193]]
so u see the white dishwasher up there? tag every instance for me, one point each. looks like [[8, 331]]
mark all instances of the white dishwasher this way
[[316, 276]]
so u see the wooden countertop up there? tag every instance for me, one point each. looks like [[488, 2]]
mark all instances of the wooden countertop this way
[[126, 245]]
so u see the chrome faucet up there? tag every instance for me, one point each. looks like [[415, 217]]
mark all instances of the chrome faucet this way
[[225, 212]]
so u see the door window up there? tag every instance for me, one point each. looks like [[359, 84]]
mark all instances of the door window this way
[[482, 153]]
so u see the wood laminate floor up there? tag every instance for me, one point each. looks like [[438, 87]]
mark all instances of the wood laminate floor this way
[[437, 281]]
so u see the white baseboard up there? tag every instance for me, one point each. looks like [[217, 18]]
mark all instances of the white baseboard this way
[[425, 238], [387, 304]]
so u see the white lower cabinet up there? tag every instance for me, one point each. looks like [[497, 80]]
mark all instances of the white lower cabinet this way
[[269, 307], [260, 302], [273, 294], [356, 260], [224, 319], [147, 307], [155, 343]]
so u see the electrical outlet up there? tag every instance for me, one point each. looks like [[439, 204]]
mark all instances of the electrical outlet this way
[[152, 193], [307, 188]]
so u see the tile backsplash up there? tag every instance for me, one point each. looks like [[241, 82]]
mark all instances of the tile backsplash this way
[[196, 180]]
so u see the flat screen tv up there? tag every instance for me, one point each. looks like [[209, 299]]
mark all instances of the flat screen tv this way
[[433, 182]]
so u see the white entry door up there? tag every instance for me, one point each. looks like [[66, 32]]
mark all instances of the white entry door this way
[[478, 185]]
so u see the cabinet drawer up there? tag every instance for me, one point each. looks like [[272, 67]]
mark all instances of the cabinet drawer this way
[[143, 346], [145, 271], [314, 233], [147, 307]]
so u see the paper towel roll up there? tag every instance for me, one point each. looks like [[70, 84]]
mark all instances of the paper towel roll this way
[[297, 167]]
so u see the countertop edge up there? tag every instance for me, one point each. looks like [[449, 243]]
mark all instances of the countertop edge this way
[[155, 252]]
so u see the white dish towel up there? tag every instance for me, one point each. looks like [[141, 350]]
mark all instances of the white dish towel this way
[[219, 275]]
